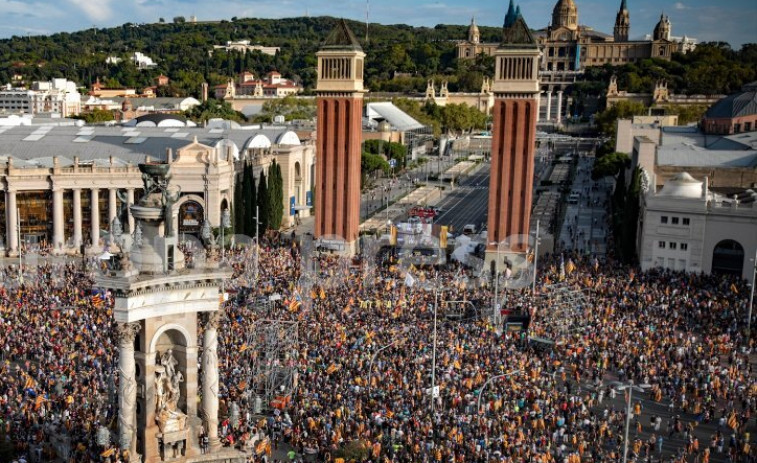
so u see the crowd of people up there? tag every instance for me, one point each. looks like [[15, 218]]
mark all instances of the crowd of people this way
[[368, 341]]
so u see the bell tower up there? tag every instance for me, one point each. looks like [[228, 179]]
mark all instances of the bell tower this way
[[622, 23], [516, 89], [339, 96]]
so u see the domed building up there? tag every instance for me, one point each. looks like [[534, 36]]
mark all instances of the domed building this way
[[569, 46], [685, 226]]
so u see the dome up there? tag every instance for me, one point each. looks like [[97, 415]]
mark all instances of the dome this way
[[682, 185], [474, 34], [565, 14]]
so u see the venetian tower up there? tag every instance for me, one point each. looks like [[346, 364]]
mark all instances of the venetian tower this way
[[159, 304], [622, 23], [339, 95], [516, 89]]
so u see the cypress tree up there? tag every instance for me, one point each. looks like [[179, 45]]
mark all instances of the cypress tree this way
[[243, 207], [275, 196], [262, 202], [239, 204], [252, 201]]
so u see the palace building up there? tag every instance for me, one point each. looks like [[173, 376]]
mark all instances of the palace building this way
[[568, 46], [64, 185]]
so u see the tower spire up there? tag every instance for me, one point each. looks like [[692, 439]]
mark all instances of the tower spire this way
[[511, 14]]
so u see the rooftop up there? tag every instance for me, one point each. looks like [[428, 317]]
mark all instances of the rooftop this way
[[34, 146]]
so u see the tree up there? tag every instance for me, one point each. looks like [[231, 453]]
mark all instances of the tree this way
[[239, 203], [390, 149], [213, 109], [607, 119], [263, 202], [275, 196], [179, 20], [162, 20], [97, 115], [609, 165], [460, 118]]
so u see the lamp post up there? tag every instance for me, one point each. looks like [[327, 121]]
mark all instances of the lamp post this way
[[257, 241], [751, 300], [373, 358], [433, 350], [536, 258], [20, 251], [496, 310], [483, 388], [631, 387]]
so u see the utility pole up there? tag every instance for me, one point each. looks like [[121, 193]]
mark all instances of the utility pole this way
[[257, 241], [751, 300], [536, 258]]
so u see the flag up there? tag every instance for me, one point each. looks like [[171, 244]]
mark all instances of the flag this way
[[322, 294], [243, 348], [409, 280], [97, 300], [562, 268], [734, 289], [570, 266], [294, 305]]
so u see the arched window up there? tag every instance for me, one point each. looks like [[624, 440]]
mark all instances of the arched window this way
[[728, 258]]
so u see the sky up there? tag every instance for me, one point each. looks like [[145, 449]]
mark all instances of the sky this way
[[732, 21]]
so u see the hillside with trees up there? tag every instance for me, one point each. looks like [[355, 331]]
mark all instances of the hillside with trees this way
[[400, 58]]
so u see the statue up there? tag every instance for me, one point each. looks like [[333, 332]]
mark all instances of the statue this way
[[167, 394]]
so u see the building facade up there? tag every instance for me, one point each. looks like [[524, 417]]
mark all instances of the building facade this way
[[568, 46], [687, 227], [63, 186], [273, 85], [58, 96]]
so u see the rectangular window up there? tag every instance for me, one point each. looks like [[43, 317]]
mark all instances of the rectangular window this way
[[684, 246], [661, 245], [675, 220], [686, 221], [673, 245], [747, 126], [664, 219]]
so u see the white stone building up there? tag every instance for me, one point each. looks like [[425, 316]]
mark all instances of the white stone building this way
[[685, 226], [69, 183], [58, 96], [244, 46]]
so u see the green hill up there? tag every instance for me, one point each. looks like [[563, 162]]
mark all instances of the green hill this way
[[181, 51]]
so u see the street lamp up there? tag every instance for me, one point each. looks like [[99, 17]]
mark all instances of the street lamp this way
[[496, 310], [483, 388], [631, 387], [433, 354], [373, 358], [751, 300], [536, 258]]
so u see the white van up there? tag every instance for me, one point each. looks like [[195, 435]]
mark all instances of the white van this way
[[469, 229]]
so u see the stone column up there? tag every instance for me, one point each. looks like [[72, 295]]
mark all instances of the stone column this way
[[130, 201], [95, 217], [559, 107], [77, 218], [538, 106], [549, 106], [11, 224], [59, 238], [112, 206], [210, 379], [127, 388]]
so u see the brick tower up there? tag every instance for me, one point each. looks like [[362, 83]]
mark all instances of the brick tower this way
[[340, 110], [516, 89]]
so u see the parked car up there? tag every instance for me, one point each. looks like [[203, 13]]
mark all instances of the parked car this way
[[469, 229]]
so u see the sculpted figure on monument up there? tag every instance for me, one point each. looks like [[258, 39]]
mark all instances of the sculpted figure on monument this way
[[167, 394]]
